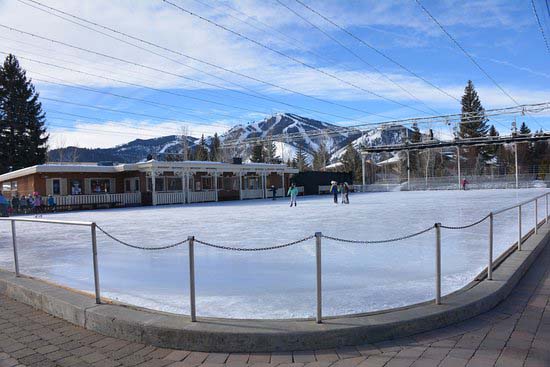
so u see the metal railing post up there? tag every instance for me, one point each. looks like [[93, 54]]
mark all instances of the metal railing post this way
[[519, 227], [438, 263], [15, 255], [96, 265], [319, 316], [490, 264], [191, 240], [536, 216], [546, 212]]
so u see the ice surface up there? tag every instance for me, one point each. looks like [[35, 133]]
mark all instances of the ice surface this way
[[280, 283]]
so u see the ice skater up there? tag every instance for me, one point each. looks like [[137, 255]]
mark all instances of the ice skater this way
[[273, 191], [334, 191], [464, 183], [345, 193], [293, 192]]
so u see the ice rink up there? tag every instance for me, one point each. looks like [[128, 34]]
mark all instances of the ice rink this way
[[278, 283]]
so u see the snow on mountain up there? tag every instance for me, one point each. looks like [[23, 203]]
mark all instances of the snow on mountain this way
[[296, 132]]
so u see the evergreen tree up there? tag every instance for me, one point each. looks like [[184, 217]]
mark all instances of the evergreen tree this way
[[352, 161], [201, 151], [215, 148], [23, 138], [493, 131], [301, 159], [524, 129], [270, 151], [320, 157], [416, 136], [473, 122], [257, 153]]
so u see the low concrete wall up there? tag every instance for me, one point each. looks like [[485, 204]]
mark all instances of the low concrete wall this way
[[229, 335]]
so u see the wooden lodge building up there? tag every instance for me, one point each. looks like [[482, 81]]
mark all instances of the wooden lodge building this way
[[148, 183]]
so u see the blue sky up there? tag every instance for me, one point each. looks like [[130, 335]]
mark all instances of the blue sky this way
[[160, 92]]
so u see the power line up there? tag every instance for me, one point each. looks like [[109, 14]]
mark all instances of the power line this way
[[307, 65], [377, 50], [197, 60], [468, 55], [540, 25], [357, 56]]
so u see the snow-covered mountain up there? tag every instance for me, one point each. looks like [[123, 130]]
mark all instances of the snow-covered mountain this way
[[288, 131]]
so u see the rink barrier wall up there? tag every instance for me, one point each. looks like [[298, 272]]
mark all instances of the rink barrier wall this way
[[230, 335]]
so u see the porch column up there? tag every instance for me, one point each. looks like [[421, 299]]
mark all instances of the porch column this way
[[240, 185], [408, 171], [153, 187], [216, 184], [363, 164], [183, 187], [264, 184], [187, 198], [283, 180]]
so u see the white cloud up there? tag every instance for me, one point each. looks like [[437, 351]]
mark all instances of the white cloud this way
[[112, 133]]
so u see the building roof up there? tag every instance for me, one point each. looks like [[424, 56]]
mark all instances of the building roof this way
[[86, 167]]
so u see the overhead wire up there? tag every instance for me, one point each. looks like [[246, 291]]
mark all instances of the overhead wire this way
[[470, 57], [193, 59], [357, 56], [384, 55], [289, 57], [541, 28]]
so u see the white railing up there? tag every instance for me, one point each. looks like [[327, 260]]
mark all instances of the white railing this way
[[253, 194], [124, 199], [201, 196], [170, 198], [318, 236]]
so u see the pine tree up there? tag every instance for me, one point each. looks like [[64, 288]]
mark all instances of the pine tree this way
[[524, 129], [352, 161], [215, 148], [201, 151], [320, 157], [416, 136], [270, 152], [23, 137], [301, 159], [257, 153], [473, 122]]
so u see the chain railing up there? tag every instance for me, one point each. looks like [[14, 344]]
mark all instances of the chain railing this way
[[318, 244]]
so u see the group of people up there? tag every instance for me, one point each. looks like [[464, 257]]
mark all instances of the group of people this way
[[26, 204], [343, 189]]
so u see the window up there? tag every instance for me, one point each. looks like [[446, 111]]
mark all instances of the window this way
[[159, 184], [230, 183], [251, 182], [207, 183], [14, 185], [127, 185], [100, 186], [56, 187], [173, 184], [6, 186], [76, 187], [136, 185]]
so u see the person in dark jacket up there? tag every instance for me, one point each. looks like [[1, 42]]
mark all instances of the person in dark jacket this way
[[334, 191], [345, 193], [15, 203], [274, 191]]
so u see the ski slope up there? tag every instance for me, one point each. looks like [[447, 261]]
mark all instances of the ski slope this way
[[278, 283]]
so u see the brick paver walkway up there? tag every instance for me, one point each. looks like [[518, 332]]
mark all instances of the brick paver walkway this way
[[516, 333]]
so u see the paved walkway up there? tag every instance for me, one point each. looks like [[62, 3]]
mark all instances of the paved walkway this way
[[516, 333]]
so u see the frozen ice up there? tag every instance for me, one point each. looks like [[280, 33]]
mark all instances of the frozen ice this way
[[280, 283]]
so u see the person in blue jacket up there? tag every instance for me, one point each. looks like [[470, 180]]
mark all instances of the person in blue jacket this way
[[4, 204], [293, 193], [334, 191]]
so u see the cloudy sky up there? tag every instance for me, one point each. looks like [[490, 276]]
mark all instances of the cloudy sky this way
[[100, 88]]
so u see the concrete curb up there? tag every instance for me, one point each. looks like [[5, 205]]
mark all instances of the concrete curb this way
[[230, 335]]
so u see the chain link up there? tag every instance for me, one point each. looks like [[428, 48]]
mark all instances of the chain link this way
[[139, 247], [380, 241], [256, 248], [468, 225]]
